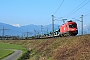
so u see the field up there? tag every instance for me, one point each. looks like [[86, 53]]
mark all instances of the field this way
[[4, 53], [7, 49], [65, 48]]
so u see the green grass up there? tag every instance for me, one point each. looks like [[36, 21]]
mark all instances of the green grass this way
[[11, 46], [4, 53], [5, 49]]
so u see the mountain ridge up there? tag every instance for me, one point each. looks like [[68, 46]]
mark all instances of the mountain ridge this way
[[13, 30]]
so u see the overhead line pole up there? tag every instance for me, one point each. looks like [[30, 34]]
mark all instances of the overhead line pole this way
[[64, 20], [53, 25], [34, 32], [82, 24], [27, 33], [41, 29]]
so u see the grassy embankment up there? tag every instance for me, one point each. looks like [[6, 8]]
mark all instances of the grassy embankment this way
[[66, 48], [6, 49]]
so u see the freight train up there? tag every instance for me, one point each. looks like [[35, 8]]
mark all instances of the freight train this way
[[67, 29]]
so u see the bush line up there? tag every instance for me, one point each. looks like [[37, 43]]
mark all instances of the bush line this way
[[25, 55]]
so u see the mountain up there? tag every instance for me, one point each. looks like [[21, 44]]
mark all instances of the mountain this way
[[23, 30]]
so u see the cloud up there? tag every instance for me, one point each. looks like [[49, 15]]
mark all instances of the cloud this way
[[16, 25]]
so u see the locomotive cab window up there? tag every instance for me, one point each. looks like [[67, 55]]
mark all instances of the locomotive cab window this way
[[72, 25]]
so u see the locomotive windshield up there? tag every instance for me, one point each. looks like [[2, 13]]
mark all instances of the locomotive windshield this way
[[72, 25]]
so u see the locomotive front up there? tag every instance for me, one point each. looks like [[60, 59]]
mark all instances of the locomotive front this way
[[69, 28], [72, 28]]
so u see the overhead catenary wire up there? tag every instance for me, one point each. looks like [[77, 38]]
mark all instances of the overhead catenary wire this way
[[79, 8], [48, 20], [56, 10], [75, 9], [59, 7], [88, 13]]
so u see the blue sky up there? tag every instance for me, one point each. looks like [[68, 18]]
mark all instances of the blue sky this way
[[38, 12]]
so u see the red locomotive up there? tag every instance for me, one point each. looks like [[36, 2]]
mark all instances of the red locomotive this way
[[69, 28]]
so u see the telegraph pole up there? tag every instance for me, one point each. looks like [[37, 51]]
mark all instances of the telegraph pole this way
[[82, 24], [53, 25]]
